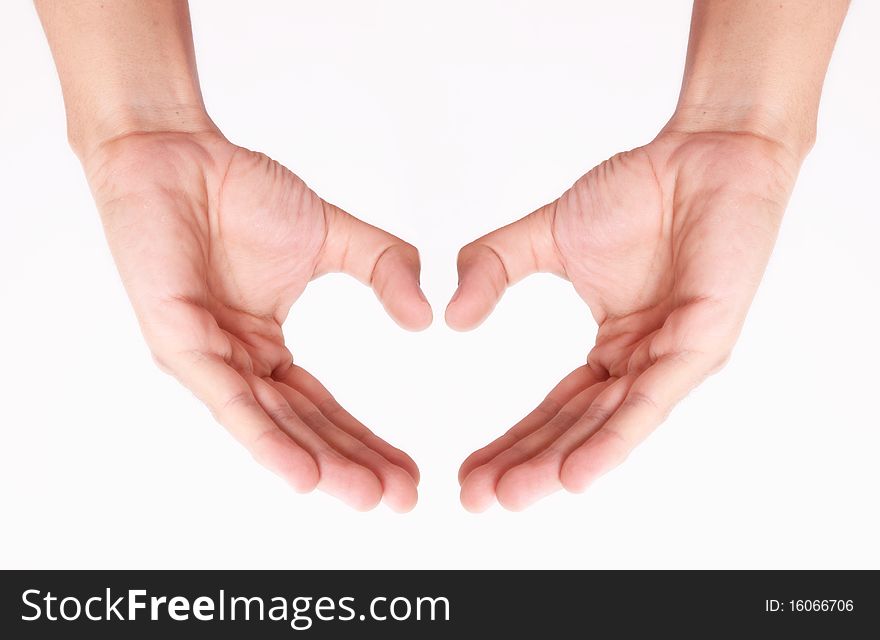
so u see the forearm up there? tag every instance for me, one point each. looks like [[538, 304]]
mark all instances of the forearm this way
[[757, 66], [125, 66]]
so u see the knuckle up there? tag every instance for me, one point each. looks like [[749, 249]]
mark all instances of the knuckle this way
[[241, 399], [281, 414], [360, 449], [315, 420], [639, 399], [598, 413], [516, 450], [563, 420], [330, 407], [548, 407]]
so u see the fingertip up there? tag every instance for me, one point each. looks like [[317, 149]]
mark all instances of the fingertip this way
[[355, 485], [470, 464], [403, 497], [575, 475], [525, 484], [365, 498], [511, 491], [403, 509], [305, 478], [405, 462], [295, 465], [514, 505], [476, 507], [407, 305], [453, 321], [473, 501], [463, 472], [425, 314], [395, 279], [416, 316], [583, 467], [366, 493], [409, 465], [463, 317], [482, 280], [600, 454], [477, 491]]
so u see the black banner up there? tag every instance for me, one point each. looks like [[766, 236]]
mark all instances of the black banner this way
[[429, 604]]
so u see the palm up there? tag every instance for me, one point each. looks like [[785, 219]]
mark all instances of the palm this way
[[670, 236], [214, 244], [666, 244]]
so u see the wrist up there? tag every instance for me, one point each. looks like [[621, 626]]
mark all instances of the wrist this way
[[88, 130], [125, 67], [793, 133]]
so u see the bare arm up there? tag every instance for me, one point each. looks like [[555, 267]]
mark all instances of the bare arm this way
[[215, 242], [758, 66], [124, 66], [666, 244]]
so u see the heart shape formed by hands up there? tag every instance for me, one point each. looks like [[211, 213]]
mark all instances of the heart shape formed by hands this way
[[666, 244]]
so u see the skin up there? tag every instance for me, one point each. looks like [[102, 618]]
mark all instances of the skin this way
[[667, 250], [666, 243], [215, 242]]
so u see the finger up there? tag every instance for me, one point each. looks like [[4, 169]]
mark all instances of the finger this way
[[605, 356], [568, 388], [487, 266], [650, 399], [339, 476], [478, 489], [538, 477], [311, 388], [398, 488], [232, 401], [642, 357], [378, 259]]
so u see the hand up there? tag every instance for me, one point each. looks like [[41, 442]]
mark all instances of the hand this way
[[666, 244], [214, 244]]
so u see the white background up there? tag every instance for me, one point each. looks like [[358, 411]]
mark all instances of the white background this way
[[438, 123]]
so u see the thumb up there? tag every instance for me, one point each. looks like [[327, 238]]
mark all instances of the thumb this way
[[488, 265], [378, 259]]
